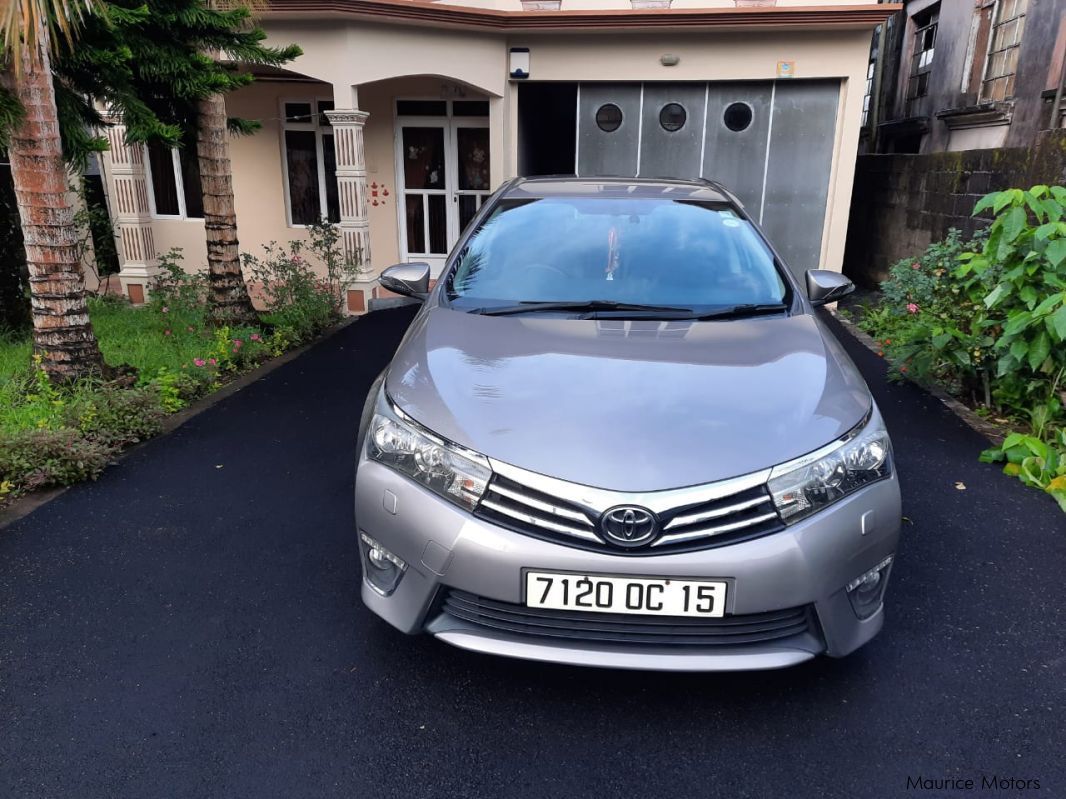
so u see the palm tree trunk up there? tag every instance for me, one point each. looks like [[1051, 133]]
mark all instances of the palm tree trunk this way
[[230, 303], [62, 334]]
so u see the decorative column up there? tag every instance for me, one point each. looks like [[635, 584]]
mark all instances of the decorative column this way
[[351, 186], [132, 215]]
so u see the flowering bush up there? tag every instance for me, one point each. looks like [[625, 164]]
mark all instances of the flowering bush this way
[[990, 324], [302, 300]]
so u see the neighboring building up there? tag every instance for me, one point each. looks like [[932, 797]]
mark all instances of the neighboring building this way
[[401, 117], [959, 98], [965, 75]]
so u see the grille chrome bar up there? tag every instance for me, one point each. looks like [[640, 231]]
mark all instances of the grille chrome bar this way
[[696, 517], [546, 507], [707, 532], [728, 510], [536, 521]]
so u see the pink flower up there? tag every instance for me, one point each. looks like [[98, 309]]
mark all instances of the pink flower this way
[[189, 328], [166, 332], [912, 308], [166, 309], [212, 361], [255, 337], [199, 361], [237, 344], [916, 265]]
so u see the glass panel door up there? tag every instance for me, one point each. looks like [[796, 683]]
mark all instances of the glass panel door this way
[[442, 164], [424, 161], [472, 155]]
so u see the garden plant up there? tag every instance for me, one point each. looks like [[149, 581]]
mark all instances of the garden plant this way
[[986, 319], [167, 354]]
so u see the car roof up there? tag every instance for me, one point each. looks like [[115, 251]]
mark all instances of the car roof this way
[[644, 188]]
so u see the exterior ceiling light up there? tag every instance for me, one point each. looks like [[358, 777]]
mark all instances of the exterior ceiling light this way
[[669, 60]]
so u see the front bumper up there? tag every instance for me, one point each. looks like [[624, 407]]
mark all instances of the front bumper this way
[[805, 566]]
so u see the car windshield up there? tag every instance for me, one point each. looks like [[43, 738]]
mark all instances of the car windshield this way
[[692, 256]]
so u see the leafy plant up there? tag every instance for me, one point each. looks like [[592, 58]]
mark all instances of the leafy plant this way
[[990, 323], [1024, 264], [33, 459], [1039, 464], [299, 299]]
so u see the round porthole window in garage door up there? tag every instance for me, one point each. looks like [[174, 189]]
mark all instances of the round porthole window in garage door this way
[[608, 117], [672, 117], [737, 116]]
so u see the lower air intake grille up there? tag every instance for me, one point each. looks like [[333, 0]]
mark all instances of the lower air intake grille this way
[[753, 628]]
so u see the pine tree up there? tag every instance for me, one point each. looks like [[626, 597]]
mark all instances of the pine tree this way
[[149, 62]]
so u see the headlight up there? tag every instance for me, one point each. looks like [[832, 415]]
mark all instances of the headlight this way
[[457, 474], [808, 484]]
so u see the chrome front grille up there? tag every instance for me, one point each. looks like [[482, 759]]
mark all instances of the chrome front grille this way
[[531, 509], [744, 513], [693, 518]]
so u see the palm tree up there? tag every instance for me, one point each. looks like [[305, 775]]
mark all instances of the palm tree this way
[[230, 301], [62, 334]]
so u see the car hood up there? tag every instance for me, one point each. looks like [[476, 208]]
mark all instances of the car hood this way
[[628, 405]]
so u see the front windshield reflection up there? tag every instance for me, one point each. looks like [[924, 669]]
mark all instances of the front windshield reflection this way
[[677, 253]]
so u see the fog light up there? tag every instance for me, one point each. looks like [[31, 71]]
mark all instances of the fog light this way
[[867, 590], [383, 569]]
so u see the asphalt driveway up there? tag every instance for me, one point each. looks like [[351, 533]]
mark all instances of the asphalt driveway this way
[[189, 626]]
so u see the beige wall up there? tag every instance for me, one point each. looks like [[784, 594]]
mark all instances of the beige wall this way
[[258, 184], [384, 62]]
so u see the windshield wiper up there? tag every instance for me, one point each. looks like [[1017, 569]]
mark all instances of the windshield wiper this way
[[745, 309], [585, 306]]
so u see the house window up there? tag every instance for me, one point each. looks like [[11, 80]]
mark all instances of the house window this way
[[174, 182], [922, 54], [310, 162], [609, 118], [1008, 22], [871, 71], [672, 117], [737, 117]]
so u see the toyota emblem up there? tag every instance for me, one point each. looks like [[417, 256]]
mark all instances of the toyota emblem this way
[[629, 525]]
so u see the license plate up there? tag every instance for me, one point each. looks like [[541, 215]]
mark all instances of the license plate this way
[[649, 596]]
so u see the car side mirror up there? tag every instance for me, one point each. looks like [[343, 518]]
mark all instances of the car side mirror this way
[[408, 280], [825, 286]]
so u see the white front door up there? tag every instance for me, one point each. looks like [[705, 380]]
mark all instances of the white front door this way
[[442, 165]]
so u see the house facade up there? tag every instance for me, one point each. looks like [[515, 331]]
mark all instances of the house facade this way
[[954, 75], [402, 117]]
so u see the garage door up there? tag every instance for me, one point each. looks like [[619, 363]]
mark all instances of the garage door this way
[[769, 142]]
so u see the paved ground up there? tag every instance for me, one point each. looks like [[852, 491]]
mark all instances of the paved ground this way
[[189, 626]]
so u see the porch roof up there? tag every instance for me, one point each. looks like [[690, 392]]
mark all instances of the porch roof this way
[[417, 12]]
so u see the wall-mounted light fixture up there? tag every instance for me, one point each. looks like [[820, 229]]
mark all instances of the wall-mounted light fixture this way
[[670, 60], [519, 63]]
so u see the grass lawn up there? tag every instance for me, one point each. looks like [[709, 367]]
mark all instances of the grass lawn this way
[[60, 434], [150, 339], [127, 335]]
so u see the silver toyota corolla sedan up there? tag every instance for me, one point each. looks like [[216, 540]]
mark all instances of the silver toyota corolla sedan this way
[[617, 434]]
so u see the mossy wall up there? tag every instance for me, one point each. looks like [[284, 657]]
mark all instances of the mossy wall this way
[[902, 203]]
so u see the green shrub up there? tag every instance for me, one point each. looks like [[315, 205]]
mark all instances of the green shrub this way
[[989, 324], [116, 417], [32, 459], [1039, 464], [302, 302], [297, 299]]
